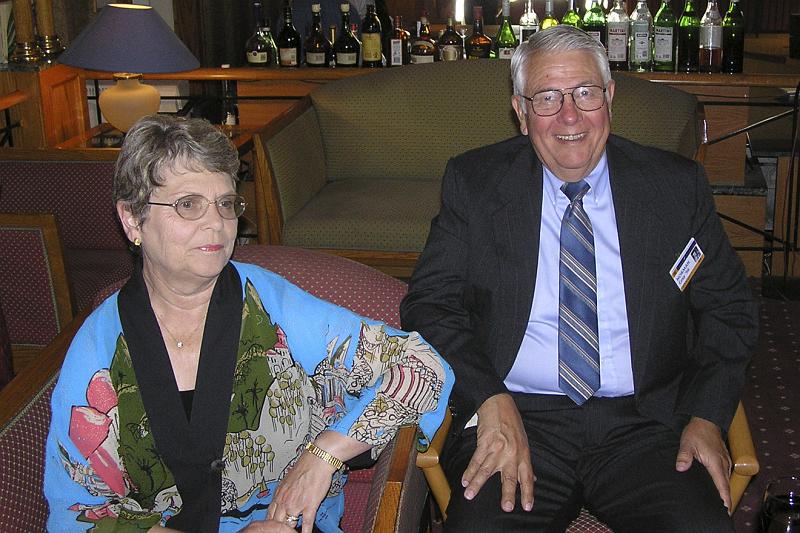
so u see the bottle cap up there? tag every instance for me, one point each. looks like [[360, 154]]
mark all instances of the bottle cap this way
[[315, 8], [344, 7]]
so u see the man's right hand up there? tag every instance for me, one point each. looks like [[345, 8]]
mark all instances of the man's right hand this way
[[502, 447]]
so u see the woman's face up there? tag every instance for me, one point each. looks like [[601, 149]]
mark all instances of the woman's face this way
[[183, 252]]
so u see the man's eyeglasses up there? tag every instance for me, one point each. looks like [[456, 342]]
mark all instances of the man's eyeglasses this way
[[586, 98], [194, 206]]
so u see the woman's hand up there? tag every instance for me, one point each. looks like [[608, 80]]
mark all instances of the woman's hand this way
[[268, 526]]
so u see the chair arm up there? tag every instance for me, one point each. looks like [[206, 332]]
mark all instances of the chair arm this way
[[743, 455], [428, 461], [11, 99]]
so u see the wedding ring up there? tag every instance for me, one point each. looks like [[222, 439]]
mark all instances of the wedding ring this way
[[291, 518]]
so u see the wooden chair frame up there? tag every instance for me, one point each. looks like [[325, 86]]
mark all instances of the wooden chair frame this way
[[45, 224]]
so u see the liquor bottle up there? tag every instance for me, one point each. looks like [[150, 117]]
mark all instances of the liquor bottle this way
[[399, 45], [230, 110], [260, 50], [424, 49], [617, 36], [733, 39], [571, 17], [710, 49], [505, 42], [346, 48], [289, 47], [478, 45], [451, 43], [331, 60], [318, 47], [548, 21], [371, 48], [664, 29], [687, 55], [641, 30], [594, 22], [528, 22]]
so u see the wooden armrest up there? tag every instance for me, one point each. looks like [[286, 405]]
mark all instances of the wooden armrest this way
[[11, 99], [428, 461]]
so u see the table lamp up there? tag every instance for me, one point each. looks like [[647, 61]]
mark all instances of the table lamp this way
[[129, 40]]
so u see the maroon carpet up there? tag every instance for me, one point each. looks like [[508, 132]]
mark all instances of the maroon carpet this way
[[772, 402]]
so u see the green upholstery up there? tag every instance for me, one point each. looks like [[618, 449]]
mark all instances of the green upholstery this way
[[361, 168]]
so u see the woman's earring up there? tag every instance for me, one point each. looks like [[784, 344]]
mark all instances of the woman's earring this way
[[137, 241]]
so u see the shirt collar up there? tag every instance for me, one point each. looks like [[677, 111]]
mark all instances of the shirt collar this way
[[597, 180]]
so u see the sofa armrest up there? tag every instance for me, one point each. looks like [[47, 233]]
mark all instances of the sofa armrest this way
[[290, 168]]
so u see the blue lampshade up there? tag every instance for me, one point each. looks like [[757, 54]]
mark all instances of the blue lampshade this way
[[129, 38]]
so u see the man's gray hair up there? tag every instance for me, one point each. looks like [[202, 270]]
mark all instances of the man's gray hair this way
[[160, 142], [556, 39]]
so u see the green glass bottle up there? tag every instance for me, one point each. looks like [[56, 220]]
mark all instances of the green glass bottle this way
[[506, 42], [665, 26], [548, 21], [733, 39], [688, 54], [571, 17], [594, 22]]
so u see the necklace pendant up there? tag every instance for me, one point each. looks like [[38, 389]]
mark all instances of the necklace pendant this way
[[179, 344]]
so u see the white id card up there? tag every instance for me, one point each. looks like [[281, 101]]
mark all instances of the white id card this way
[[687, 264]]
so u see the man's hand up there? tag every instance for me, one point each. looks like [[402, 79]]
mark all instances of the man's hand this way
[[702, 440], [502, 447]]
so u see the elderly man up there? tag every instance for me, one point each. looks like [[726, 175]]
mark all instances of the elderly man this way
[[595, 315]]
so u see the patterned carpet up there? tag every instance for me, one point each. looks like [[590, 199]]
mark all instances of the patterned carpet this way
[[772, 403]]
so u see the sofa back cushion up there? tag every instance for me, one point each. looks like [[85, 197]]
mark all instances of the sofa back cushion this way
[[78, 193], [407, 122]]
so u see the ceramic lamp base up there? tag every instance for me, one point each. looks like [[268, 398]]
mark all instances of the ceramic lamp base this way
[[128, 101]]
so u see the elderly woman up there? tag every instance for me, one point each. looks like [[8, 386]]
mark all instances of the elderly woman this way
[[210, 395]]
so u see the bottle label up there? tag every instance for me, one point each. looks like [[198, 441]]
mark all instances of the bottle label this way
[[371, 47], [617, 41], [257, 58], [421, 59], [230, 119], [596, 35], [663, 43], [450, 52], [526, 32], [710, 36], [315, 58], [505, 53], [641, 46], [347, 59], [396, 53], [288, 57]]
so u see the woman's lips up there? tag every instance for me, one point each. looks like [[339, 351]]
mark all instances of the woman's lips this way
[[211, 247]]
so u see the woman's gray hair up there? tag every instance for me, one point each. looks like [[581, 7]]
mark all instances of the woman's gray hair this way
[[556, 39], [159, 142]]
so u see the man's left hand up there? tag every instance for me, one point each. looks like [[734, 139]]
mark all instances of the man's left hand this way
[[702, 440]]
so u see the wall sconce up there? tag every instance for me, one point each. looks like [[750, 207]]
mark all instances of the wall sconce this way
[[129, 40]]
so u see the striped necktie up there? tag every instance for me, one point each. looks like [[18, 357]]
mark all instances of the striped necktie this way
[[578, 345]]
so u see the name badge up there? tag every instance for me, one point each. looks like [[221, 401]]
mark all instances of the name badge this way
[[687, 264]]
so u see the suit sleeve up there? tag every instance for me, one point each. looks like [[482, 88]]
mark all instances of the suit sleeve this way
[[725, 318], [438, 306]]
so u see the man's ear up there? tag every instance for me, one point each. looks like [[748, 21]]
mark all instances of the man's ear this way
[[519, 108], [130, 223]]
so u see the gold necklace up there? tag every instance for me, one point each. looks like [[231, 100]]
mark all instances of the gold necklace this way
[[179, 343]]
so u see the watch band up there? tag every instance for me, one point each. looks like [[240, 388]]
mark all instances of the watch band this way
[[325, 456]]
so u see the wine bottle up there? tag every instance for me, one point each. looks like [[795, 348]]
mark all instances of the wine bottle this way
[[641, 31], [451, 43], [548, 21], [617, 36], [260, 50], [289, 47], [710, 48], [594, 22], [331, 60], [733, 39], [399, 45], [317, 45], [478, 45], [505, 42], [687, 55], [571, 17], [371, 47], [346, 48], [664, 29], [424, 48], [528, 22], [230, 109]]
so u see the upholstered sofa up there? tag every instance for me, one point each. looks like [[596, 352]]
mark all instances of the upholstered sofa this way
[[355, 167]]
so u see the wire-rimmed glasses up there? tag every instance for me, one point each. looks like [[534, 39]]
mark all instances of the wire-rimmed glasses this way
[[586, 97], [194, 206]]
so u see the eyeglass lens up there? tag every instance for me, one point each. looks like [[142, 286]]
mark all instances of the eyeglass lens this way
[[587, 98], [194, 206]]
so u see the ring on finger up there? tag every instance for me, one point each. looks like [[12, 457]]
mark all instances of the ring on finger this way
[[291, 518]]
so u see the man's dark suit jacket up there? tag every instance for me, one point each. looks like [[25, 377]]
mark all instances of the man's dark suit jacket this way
[[472, 290]]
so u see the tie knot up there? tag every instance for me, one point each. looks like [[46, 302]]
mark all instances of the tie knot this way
[[575, 190]]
